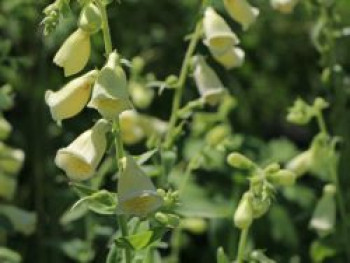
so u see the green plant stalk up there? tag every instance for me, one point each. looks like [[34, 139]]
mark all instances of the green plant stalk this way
[[242, 244], [118, 140], [321, 123], [181, 83]]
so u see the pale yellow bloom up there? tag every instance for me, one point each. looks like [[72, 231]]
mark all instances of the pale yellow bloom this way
[[7, 186], [131, 130], [80, 159], [72, 98], [209, 85], [74, 53], [110, 94], [136, 192], [284, 6], [242, 12], [218, 35], [232, 58]]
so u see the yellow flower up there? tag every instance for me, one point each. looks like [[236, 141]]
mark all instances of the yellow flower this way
[[136, 192], [209, 85], [7, 186], [110, 95], [11, 160], [72, 98], [284, 6], [232, 58], [74, 53], [242, 12], [218, 35], [131, 129], [80, 159]]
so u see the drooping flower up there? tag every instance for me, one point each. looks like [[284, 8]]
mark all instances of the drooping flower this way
[[80, 159], [232, 58], [110, 94], [136, 193], [209, 85], [218, 35], [301, 164], [72, 98], [242, 12], [74, 53], [284, 6]]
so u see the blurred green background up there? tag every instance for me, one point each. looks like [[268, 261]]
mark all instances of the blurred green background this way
[[281, 65]]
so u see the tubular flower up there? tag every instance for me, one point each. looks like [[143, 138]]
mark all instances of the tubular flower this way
[[232, 58], [218, 35], [72, 98], [209, 85], [284, 6], [80, 159], [301, 164], [136, 192], [74, 53], [131, 129], [243, 216], [242, 12], [110, 94]]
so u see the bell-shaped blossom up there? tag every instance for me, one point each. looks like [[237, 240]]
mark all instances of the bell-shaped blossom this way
[[136, 193], [110, 93], [242, 12], [74, 53], [72, 98], [218, 35], [232, 58], [209, 85], [80, 159], [284, 6]]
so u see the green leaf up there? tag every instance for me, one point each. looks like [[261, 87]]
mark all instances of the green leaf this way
[[143, 158], [78, 250], [319, 252], [82, 190], [9, 256], [73, 214], [21, 220]]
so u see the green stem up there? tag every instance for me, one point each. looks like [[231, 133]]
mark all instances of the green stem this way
[[181, 82], [242, 244], [342, 210], [116, 127], [321, 123]]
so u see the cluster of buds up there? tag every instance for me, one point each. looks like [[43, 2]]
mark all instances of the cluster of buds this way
[[301, 112], [52, 14], [11, 160], [284, 6], [256, 201]]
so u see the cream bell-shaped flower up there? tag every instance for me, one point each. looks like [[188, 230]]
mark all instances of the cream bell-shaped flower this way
[[80, 159], [284, 6], [232, 58], [110, 93], [209, 85], [74, 53], [242, 12], [72, 98], [130, 127], [136, 193], [218, 35]]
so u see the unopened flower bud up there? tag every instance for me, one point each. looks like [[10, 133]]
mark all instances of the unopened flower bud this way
[[239, 161], [194, 225], [272, 168], [300, 164], [320, 104], [74, 53], [243, 216], [90, 19], [5, 128], [161, 218], [282, 178], [242, 12], [231, 58], [217, 134], [260, 207]]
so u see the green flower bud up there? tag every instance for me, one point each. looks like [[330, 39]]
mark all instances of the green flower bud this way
[[239, 161], [300, 113], [320, 104], [173, 220], [194, 225], [260, 206], [141, 95], [329, 189], [243, 216], [217, 134], [5, 128], [11, 160], [282, 178], [272, 168], [90, 19], [161, 218], [301, 164]]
